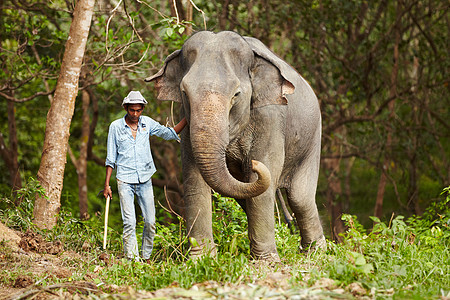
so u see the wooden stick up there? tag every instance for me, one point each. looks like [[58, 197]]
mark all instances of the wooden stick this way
[[106, 222]]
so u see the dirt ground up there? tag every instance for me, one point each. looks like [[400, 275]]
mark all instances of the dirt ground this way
[[40, 259]]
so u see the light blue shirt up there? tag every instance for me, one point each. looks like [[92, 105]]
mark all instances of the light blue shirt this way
[[132, 158]]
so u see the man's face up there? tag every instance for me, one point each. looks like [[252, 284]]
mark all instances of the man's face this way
[[134, 111]]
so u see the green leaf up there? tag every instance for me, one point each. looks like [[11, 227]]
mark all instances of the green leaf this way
[[359, 259], [193, 242], [366, 268], [169, 32]]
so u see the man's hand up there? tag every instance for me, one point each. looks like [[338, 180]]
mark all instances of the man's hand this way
[[180, 126], [107, 192]]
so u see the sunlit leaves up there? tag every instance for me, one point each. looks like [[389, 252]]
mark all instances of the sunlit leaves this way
[[171, 30]]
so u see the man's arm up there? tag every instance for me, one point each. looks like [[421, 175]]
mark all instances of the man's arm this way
[[180, 126], [107, 190], [110, 159]]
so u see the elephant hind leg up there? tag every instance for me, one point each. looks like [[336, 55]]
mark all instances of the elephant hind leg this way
[[301, 195], [307, 216]]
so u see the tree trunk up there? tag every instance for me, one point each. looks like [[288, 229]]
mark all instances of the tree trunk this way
[[167, 159], [51, 170], [378, 212], [334, 191], [9, 153], [176, 9], [81, 163], [14, 170], [90, 155], [189, 15], [223, 16], [347, 182]]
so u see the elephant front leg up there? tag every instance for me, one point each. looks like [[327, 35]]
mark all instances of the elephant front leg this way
[[261, 226], [198, 212]]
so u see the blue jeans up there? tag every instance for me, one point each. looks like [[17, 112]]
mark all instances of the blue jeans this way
[[145, 199]]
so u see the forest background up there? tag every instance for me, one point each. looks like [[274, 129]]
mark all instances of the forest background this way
[[379, 69]]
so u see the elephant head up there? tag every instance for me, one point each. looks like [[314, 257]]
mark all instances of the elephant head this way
[[219, 79]]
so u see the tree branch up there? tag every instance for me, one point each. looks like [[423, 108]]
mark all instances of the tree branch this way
[[14, 99]]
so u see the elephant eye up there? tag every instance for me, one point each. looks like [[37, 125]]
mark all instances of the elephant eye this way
[[237, 94]]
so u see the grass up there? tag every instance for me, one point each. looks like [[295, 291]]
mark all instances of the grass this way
[[401, 259]]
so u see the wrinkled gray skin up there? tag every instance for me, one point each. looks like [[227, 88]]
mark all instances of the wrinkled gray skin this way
[[254, 125]]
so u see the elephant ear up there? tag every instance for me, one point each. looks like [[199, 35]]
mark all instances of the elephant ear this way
[[269, 76], [168, 78]]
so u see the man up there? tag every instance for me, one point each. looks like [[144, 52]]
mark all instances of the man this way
[[128, 151]]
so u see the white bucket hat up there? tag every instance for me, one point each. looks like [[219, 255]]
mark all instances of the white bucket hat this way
[[134, 97]]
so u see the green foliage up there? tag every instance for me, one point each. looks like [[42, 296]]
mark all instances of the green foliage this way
[[223, 268], [74, 234], [432, 229], [171, 31], [83, 235], [406, 259], [287, 241], [170, 265], [170, 242], [23, 31], [20, 217], [408, 256], [229, 226]]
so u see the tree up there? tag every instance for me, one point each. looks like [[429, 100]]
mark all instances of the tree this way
[[51, 170], [9, 153], [81, 162]]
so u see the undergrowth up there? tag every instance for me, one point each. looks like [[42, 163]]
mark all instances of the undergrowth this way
[[404, 258]]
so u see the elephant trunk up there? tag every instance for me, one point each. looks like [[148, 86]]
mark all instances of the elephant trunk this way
[[209, 139]]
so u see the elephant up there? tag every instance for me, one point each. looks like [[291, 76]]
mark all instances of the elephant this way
[[254, 126]]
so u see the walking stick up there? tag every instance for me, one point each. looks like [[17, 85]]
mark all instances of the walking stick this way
[[106, 222]]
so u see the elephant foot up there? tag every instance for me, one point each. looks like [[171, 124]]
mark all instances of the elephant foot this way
[[268, 257], [266, 250], [271, 256], [319, 244], [203, 250]]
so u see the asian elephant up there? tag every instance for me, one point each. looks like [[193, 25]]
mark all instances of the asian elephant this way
[[254, 126]]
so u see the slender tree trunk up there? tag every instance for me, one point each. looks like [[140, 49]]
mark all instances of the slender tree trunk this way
[[223, 16], [176, 9], [378, 211], [380, 193], [413, 188], [347, 184], [91, 156], [9, 153], [169, 167], [51, 170], [14, 170], [334, 191], [189, 15], [81, 163]]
